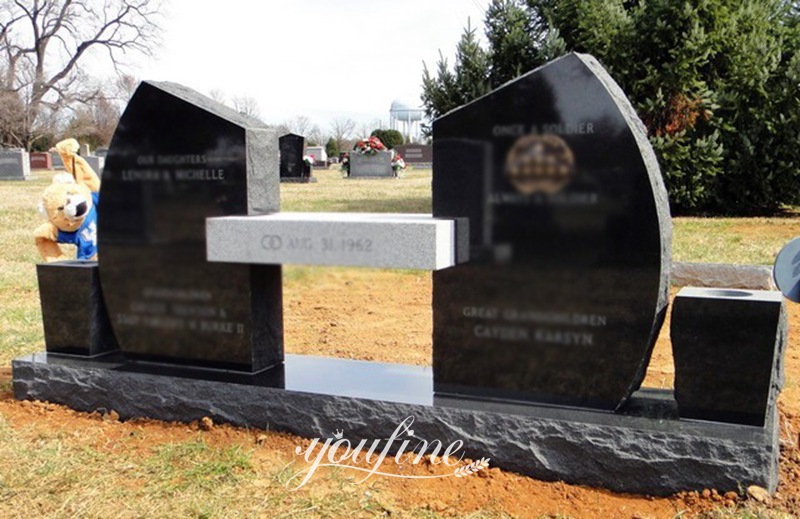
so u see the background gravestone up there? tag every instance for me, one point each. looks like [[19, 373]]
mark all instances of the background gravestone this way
[[292, 165], [177, 158], [41, 160], [570, 238], [375, 165], [97, 163], [415, 154], [55, 160], [14, 164]]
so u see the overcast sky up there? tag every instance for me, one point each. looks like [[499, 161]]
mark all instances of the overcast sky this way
[[319, 58]]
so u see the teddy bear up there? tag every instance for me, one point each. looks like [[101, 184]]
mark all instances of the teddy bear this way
[[70, 206]]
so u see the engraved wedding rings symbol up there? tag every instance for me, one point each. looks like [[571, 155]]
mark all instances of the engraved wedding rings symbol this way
[[540, 164], [271, 242]]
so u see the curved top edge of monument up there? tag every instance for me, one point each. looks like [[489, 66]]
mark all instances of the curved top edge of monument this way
[[206, 103], [565, 57]]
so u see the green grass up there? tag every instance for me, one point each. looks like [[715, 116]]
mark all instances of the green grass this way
[[745, 512], [732, 240]]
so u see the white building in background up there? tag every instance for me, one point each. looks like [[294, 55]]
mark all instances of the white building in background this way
[[407, 119]]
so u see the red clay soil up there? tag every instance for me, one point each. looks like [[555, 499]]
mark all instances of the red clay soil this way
[[385, 317]]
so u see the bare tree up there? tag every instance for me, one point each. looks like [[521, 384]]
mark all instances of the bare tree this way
[[94, 122], [44, 42], [315, 135], [125, 87], [218, 95], [246, 105], [366, 129], [342, 129], [299, 125]]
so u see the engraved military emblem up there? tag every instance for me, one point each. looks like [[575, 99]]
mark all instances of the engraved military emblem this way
[[540, 164]]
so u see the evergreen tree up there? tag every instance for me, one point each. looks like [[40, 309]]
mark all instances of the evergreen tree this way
[[332, 147], [469, 79], [389, 138], [717, 83], [513, 46]]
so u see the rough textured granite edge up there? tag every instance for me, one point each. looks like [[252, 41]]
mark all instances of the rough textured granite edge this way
[[618, 458], [660, 197], [263, 171], [723, 275]]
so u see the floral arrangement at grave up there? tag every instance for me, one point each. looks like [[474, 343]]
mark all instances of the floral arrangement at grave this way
[[398, 164], [345, 165], [370, 146], [309, 160]]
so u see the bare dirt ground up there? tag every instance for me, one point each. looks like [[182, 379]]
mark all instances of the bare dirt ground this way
[[385, 316]]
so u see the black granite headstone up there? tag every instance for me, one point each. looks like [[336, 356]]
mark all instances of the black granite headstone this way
[[291, 147], [570, 233], [176, 159], [73, 311], [728, 345]]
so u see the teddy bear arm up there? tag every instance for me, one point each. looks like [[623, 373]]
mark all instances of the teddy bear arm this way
[[84, 174], [45, 237]]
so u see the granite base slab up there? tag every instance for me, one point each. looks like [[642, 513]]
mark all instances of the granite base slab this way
[[645, 449]]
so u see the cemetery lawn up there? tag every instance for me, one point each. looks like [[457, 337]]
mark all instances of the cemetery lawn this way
[[55, 462]]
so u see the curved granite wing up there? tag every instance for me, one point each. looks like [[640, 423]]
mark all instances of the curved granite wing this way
[[570, 241]]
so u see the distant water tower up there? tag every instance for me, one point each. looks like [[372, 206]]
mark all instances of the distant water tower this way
[[407, 119]]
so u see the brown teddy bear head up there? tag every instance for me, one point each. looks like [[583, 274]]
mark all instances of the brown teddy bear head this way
[[66, 203]]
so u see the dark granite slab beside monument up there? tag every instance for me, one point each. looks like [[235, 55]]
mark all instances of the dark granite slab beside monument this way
[[570, 236], [73, 311], [177, 158], [728, 347]]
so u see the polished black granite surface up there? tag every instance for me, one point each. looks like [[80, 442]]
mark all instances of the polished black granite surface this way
[[728, 347], [176, 159], [74, 314], [291, 147], [566, 287]]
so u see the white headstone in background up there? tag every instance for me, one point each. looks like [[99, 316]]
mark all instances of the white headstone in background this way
[[320, 157]]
